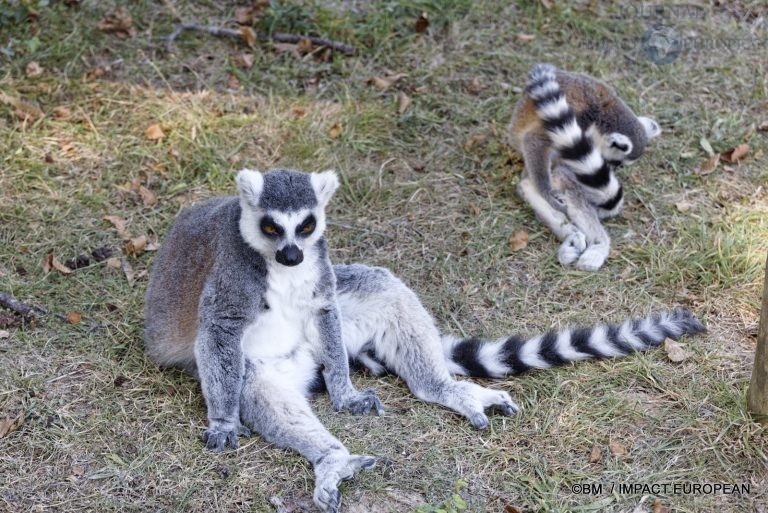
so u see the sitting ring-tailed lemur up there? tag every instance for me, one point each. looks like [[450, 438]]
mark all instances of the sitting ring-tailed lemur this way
[[573, 132], [243, 295]]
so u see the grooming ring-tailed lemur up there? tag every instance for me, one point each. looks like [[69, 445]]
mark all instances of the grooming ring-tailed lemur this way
[[573, 131], [243, 295]]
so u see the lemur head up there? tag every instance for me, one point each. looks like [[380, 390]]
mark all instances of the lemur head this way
[[283, 211], [624, 148]]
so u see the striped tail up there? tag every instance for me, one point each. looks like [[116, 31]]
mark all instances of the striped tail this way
[[513, 355], [577, 150]]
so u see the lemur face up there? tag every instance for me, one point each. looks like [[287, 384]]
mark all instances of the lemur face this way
[[283, 211]]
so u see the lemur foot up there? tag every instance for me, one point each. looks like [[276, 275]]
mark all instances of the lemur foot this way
[[329, 474], [572, 248], [216, 439], [363, 402], [477, 399], [593, 257]]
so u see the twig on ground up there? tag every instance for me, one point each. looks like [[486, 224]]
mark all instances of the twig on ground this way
[[278, 37], [27, 312]]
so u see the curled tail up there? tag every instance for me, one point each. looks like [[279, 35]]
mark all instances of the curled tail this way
[[576, 148], [513, 355]]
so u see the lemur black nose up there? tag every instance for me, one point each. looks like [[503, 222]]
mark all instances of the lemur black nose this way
[[290, 255]]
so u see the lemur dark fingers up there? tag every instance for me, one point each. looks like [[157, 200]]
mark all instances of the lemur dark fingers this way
[[217, 441]]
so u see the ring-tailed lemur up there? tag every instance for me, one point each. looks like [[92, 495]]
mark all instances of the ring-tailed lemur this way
[[242, 295], [573, 132]]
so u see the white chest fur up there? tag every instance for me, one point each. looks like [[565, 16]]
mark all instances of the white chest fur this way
[[287, 326]]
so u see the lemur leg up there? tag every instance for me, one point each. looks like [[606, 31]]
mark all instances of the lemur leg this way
[[281, 413], [586, 218], [573, 240], [381, 315]]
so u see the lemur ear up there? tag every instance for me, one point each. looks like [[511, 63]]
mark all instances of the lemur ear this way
[[652, 128], [250, 183], [324, 184]]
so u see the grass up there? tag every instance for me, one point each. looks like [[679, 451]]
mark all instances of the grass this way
[[107, 431]]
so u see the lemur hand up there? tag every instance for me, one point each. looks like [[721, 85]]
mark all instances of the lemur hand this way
[[557, 200], [219, 435], [360, 403]]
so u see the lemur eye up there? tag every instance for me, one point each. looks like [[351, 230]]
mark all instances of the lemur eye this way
[[269, 228], [307, 227]]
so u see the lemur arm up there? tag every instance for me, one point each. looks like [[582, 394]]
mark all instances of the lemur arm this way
[[334, 359], [224, 313], [536, 154]]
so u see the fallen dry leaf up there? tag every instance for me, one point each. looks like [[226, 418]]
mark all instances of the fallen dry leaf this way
[[305, 45], [335, 131], [74, 317], [233, 82], [763, 127], [508, 508], [248, 35], [127, 268], [67, 149], [114, 263], [286, 48], [5, 334], [22, 109], [422, 23], [734, 155], [385, 83], [683, 206], [617, 449], [98, 72], [248, 14], [244, 15], [475, 86], [9, 425], [33, 70], [118, 22], [119, 223], [135, 245], [154, 132], [518, 240], [148, 197], [525, 38], [658, 508], [675, 351], [52, 263], [61, 112], [709, 165], [595, 455], [244, 60], [403, 102], [547, 4], [477, 138]]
